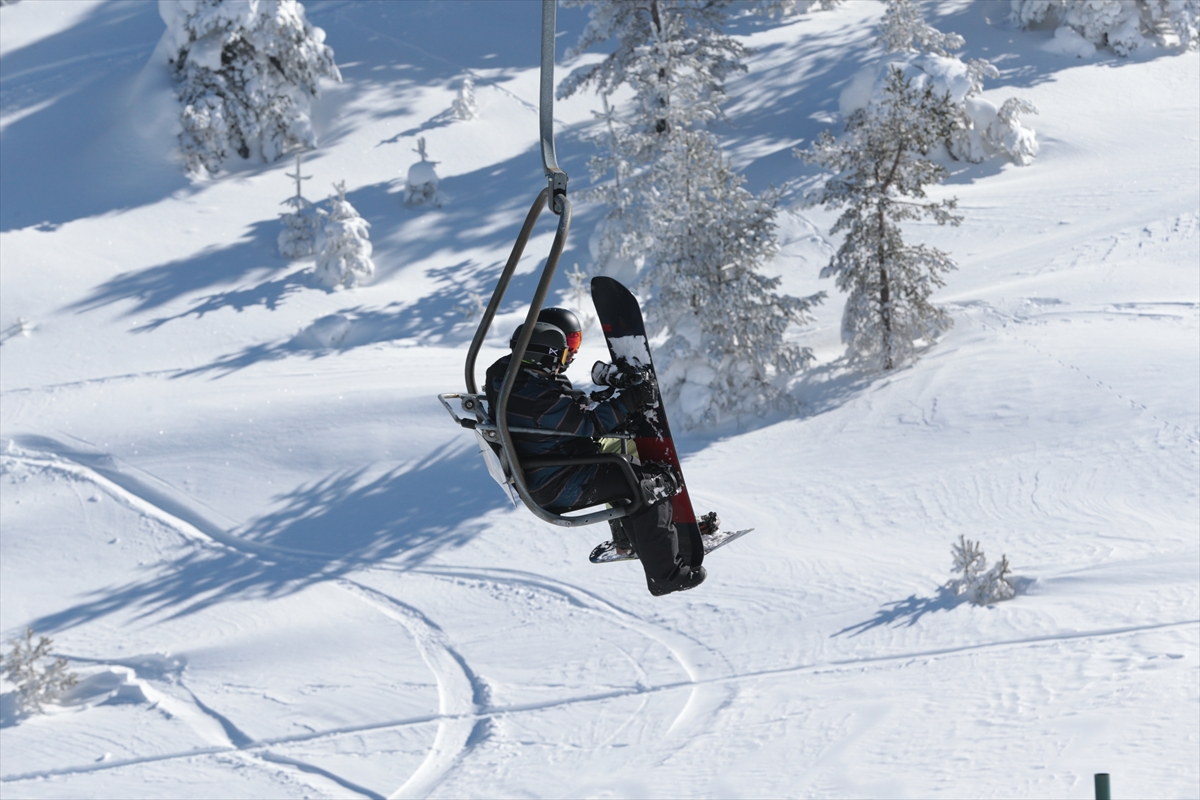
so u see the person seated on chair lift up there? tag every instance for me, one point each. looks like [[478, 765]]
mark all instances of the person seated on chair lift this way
[[542, 397]]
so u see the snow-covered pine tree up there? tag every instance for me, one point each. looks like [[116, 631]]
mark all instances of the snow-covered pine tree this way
[[421, 186], [726, 351], [994, 585], [581, 296], [982, 588], [786, 8], [247, 71], [969, 563], [679, 214], [465, 107], [301, 223], [904, 29], [343, 245], [983, 129], [1121, 25], [36, 683], [881, 161]]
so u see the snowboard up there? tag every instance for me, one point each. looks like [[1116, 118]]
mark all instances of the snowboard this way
[[625, 332], [605, 553]]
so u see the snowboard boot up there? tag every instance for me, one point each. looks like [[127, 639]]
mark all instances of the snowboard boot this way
[[660, 483], [620, 539], [709, 523], [681, 579]]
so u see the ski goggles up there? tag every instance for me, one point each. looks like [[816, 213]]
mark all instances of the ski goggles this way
[[573, 341]]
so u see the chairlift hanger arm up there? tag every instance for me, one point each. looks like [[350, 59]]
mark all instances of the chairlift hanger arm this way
[[555, 177], [493, 305], [554, 195]]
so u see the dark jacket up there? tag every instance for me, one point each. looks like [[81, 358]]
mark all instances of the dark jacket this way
[[549, 402]]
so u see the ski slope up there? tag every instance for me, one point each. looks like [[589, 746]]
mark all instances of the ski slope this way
[[280, 571]]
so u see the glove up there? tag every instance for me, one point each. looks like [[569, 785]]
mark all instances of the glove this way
[[602, 395], [618, 375], [641, 396]]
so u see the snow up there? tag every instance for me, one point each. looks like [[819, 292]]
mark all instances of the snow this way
[[231, 497], [1067, 42]]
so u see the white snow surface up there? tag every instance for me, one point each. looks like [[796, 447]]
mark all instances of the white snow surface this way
[[232, 499]]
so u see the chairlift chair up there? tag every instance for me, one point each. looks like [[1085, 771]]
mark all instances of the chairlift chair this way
[[496, 438]]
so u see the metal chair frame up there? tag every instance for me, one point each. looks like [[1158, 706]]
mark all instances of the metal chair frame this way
[[499, 436]]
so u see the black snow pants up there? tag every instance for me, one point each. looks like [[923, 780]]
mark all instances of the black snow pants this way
[[651, 531]]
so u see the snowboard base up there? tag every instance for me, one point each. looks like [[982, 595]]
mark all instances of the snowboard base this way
[[605, 553]]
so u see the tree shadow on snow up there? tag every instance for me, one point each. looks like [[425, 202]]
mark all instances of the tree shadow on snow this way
[[10, 710], [907, 612], [777, 105], [320, 532], [95, 77], [255, 252], [269, 294], [86, 138], [162, 284], [485, 210], [438, 41]]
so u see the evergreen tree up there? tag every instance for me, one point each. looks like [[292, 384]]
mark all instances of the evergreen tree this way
[[786, 8], [343, 245], [1121, 25], [465, 107], [726, 351], [247, 71], [36, 683], [421, 186], [679, 213], [981, 587], [983, 129], [300, 225], [903, 29], [881, 161]]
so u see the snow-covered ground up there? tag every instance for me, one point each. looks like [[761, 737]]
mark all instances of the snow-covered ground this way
[[281, 571]]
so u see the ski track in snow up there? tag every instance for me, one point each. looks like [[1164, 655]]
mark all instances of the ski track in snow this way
[[198, 715], [1011, 321], [483, 714], [143, 493], [208, 724], [694, 658], [463, 708], [459, 691], [100, 380], [458, 688]]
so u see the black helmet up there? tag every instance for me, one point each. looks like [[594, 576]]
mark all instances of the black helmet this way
[[566, 321], [562, 318], [547, 347]]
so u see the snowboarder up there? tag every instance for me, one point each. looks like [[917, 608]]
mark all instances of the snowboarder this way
[[543, 397]]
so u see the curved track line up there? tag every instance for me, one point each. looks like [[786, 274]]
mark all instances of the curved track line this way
[[693, 657], [209, 724], [125, 376], [324, 773], [493, 711], [459, 690], [140, 495]]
